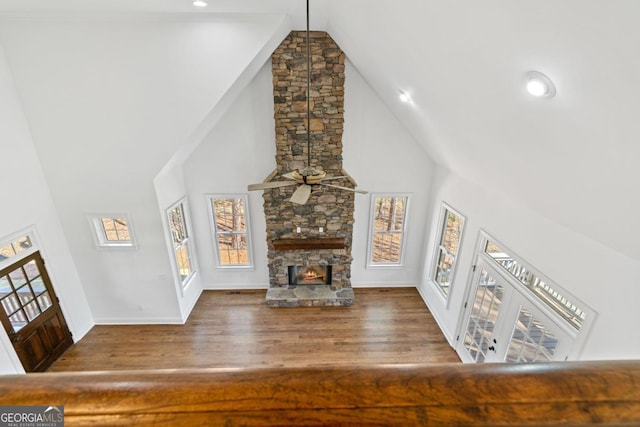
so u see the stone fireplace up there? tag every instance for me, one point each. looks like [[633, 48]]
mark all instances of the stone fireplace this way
[[317, 234]]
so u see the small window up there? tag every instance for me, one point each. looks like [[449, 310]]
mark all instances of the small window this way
[[388, 222], [180, 242], [559, 300], [449, 237], [15, 247], [112, 230], [229, 221]]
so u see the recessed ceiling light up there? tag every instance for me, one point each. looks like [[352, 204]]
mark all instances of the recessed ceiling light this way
[[540, 85], [404, 97], [199, 3]]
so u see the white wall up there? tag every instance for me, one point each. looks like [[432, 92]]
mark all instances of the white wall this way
[[236, 128], [109, 101], [601, 277], [27, 204], [383, 157], [240, 150]]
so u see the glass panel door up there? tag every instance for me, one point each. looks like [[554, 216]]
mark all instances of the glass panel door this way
[[23, 295], [535, 337], [506, 318], [479, 339], [502, 325]]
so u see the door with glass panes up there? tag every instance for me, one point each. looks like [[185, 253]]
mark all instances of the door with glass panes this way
[[31, 314], [502, 325]]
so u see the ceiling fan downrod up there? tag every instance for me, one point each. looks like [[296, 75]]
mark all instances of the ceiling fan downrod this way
[[308, 92], [307, 177]]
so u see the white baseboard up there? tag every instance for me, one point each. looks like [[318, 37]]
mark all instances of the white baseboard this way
[[139, 321], [235, 286], [186, 313], [383, 285], [265, 286], [434, 313]]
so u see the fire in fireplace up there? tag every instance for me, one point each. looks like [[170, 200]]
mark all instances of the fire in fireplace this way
[[309, 275]]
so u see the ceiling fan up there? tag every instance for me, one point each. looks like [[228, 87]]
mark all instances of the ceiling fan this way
[[309, 176]]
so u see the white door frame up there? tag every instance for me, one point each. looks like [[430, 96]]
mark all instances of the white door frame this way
[[516, 297]]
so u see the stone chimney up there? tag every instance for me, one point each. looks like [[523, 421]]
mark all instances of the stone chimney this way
[[318, 233]]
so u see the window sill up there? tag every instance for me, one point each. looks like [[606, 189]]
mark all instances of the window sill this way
[[116, 246], [440, 290], [235, 267], [384, 266]]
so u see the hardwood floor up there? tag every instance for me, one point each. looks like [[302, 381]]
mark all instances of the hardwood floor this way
[[237, 329]]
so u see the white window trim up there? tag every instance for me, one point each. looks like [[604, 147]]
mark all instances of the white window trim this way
[[590, 314], [95, 222], [187, 226], [444, 207], [214, 233], [372, 202]]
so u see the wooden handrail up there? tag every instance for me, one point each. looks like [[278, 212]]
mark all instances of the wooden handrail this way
[[551, 394]]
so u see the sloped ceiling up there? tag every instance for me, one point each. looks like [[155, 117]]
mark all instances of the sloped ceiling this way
[[572, 158], [146, 6]]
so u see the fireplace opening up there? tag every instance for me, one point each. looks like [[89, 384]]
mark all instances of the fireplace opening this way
[[309, 275]]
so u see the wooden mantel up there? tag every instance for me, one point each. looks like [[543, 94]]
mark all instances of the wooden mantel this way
[[309, 244]]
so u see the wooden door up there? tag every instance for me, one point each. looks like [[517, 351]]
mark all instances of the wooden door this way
[[31, 314]]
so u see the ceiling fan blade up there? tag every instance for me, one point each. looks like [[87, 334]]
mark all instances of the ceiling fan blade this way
[[354, 190], [301, 195], [289, 175], [272, 184], [329, 178]]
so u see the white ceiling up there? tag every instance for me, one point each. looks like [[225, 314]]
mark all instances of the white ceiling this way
[[151, 6], [572, 158]]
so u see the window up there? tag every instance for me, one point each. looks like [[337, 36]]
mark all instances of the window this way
[[229, 221], [449, 237], [112, 230], [14, 247], [550, 294], [388, 220], [180, 242]]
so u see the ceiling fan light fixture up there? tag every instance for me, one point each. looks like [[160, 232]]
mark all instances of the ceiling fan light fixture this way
[[539, 85]]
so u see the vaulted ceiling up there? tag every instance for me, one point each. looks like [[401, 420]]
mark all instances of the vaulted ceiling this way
[[572, 157]]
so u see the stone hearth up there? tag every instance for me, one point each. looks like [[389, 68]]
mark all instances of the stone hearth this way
[[309, 296], [319, 232]]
